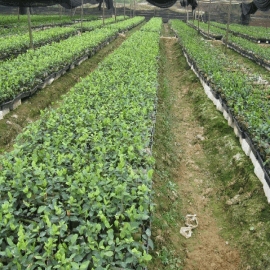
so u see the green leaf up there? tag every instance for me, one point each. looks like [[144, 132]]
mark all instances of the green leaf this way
[[42, 208], [108, 253], [73, 238], [75, 266], [148, 232], [78, 258], [84, 265], [10, 241], [150, 244]]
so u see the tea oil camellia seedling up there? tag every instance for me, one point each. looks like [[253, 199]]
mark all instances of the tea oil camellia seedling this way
[[76, 188]]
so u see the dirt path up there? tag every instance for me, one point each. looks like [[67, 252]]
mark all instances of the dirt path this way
[[188, 163], [201, 169], [206, 249]]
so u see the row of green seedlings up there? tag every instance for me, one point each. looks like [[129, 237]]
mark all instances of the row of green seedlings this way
[[257, 33], [255, 52], [89, 26], [247, 48], [246, 100], [206, 30], [75, 190], [16, 44], [10, 21], [153, 25], [30, 69], [251, 33], [11, 25]]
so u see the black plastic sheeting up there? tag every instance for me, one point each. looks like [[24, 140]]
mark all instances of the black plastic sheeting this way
[[185, 3], [43, 3]]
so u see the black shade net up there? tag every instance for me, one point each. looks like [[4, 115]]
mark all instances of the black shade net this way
[[169, 3], [43, 3], [248, 9], [162, 3], [263, 5], [251, 8], [75, 3], [108, 3], [185, 3]]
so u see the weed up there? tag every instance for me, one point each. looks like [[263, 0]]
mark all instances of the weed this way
[[169, 259], [168, 203]]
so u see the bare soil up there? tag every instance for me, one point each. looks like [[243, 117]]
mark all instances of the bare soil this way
[[206, 249]]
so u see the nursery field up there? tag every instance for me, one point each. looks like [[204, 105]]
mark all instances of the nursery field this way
[[111, 136], [242, 39], [12, 25]]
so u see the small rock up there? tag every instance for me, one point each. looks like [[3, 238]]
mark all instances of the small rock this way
[[241, 190], [207, 191], [122, 35], [237, 156], [174, 194], [234, 200], [160, 239], [227, 243], [200, 137], [148, 151], [29, 120], [198, 181], [15, 116]]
